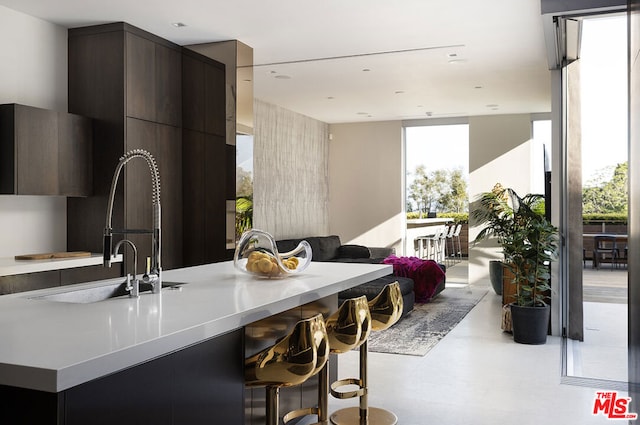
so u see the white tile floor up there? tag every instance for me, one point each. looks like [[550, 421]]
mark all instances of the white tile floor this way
[[475, 375], [603, 353]]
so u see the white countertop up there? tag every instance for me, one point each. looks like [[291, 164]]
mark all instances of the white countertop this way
[[52, 346], [9, 266]]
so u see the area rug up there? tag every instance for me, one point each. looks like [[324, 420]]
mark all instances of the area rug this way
[[428, 323]]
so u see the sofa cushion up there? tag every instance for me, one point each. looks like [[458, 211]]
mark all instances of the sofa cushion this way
[[353, 251], [323, 248], [329, 246], [372, 288]]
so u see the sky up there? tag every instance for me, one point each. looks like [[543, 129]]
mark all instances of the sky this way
[[438, 147]]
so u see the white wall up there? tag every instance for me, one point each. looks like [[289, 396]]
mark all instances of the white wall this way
[[365, 183], [33, 71], [500, 151]]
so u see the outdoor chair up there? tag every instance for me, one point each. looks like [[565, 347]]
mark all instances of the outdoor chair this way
[[605, 249]]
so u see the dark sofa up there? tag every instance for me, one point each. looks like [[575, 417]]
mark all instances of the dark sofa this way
[[330, 248]]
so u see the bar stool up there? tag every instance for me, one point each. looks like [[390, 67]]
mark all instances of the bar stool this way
[[456, 236], [385, 310], [291, 361], [435, 244], [347, 329]]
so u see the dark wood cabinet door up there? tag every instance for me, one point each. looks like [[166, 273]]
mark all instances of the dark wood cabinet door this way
[[215, 200], [204, 173], [140, 77], [193, 94], [168, 85], [75, 167], [29, 281], [36, 157], [44, 152], [215, 104], [153, 81], [169, 157], [165, 144], [193, 174]]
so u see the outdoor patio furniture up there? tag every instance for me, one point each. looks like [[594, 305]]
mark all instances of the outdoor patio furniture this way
[[605, 249]]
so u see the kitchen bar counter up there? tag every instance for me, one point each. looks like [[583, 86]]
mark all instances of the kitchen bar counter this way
[[53, 346]]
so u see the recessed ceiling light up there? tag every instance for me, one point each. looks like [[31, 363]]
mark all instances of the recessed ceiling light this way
[[179, 24], [366, 70], [283, 77], [399, 91], [330, 97], [477, 87]]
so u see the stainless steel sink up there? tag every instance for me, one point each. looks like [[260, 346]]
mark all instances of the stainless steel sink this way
[[101, 293]]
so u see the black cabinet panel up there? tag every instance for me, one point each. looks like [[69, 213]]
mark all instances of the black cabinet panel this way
[[139, 395], [201, 384], [19, 406], [209, 382]]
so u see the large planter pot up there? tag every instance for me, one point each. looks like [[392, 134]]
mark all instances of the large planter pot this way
[[495, 275], [530, 324]]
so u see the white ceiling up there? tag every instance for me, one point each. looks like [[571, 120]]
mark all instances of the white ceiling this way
[[500, 62]]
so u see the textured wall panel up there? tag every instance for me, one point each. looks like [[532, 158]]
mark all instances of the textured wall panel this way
[[290, 163]]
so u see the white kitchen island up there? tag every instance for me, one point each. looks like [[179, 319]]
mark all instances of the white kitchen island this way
[[60, 348]]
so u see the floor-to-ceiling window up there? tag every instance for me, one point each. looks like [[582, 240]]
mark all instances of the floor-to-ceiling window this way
[[599, 353], [436, 172]]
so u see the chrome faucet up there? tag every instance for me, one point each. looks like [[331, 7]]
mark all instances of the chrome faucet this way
[[133, 285], [153, 274]]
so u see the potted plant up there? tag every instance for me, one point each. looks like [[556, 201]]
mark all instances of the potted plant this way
[[493, 210], [529, 243]]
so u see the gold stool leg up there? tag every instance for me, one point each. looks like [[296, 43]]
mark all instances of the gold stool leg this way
[[385, 310], [273, 400], [363, 415]]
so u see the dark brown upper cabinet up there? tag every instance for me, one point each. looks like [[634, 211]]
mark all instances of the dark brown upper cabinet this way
[[44, 152], [153, 77], [203, 94], [130, 82]]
